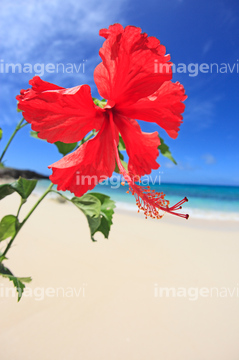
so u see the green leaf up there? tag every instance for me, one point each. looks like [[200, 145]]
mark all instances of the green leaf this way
[[121, 145], [98, 209], [104, 221], [17, 281], [34, 134], [65, 149], [88, 204], [100, 103], [4, 270], [24, 187], [164, 149], [125, 165], [0, 133], [2, 258], [8, 226], [94, 224], [62, 147], [5, 190]]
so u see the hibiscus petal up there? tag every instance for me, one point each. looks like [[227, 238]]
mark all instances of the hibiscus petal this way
[[164, 108], [128, 72], [141, 147], [90, 164], [59, 114]]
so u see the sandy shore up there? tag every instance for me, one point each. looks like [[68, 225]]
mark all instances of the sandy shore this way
[[110, 302]]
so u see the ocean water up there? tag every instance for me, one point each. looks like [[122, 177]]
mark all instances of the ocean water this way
[[205, 201]]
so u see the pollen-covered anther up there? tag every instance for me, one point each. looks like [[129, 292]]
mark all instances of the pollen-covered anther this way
[[153, 203], [149, 201]]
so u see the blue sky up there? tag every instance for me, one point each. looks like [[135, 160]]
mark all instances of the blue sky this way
[[193, 31]]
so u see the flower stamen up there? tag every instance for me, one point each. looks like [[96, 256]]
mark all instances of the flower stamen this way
[[152, 203]]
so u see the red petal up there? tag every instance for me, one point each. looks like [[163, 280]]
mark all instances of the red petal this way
[[164, 108], [127, 72], [142, 148], [59, 114], [81, 170], [40, 85]]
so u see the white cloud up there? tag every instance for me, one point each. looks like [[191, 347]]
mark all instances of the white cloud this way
[[228, 14], [200, 113], [26, 26], [209, 159], [55, 32], [169, 165], [186, 165], [207, 46]]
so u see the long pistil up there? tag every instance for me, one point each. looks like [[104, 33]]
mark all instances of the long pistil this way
[[152, 203]]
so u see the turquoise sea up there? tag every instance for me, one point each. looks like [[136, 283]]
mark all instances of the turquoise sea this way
[[205, 201]]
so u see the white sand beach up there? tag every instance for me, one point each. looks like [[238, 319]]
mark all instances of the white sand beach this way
[[104, 300]]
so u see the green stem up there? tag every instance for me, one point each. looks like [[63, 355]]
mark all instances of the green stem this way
[[18, 127], [26, 218], [22, 202], [58, 193]]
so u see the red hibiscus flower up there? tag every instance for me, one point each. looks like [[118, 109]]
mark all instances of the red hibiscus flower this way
[[126, 77]]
